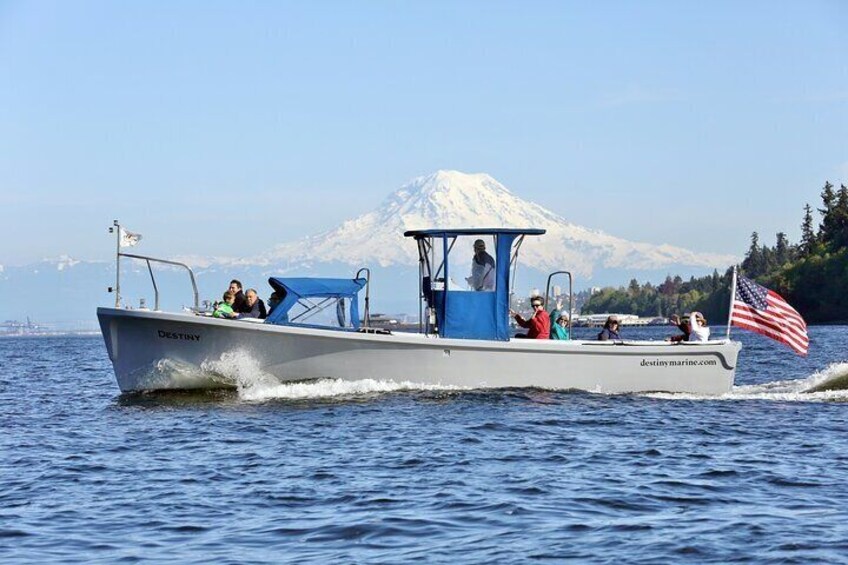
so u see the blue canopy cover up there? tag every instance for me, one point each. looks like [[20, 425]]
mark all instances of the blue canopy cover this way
[[300, 290]]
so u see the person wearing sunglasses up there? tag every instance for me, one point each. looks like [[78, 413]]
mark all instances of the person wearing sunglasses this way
[[538, 324]]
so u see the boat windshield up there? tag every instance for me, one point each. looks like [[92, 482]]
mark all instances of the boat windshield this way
[[472, 263], [465, 279]]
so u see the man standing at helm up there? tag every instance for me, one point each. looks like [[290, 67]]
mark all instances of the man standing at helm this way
[[482, 268]]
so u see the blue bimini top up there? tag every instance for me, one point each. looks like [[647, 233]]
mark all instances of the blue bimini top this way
[[314, 295]]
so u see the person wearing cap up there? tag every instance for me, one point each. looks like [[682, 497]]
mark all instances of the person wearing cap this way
[[698, 329], [538, 325], [610, 331], [559, 325], [482, 268]]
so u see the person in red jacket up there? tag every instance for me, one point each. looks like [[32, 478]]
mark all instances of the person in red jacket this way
[[539, 324]]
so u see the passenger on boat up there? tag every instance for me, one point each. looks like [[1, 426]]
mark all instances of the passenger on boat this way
[[683, 326], [559, 327], [225, 309], [539, 324], [254, 307], [610, 331], [235, 288], [273, 301], [482, 268], [699, 330]]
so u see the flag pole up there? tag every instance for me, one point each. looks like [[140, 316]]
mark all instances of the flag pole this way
[[732, 299], [117, 263]]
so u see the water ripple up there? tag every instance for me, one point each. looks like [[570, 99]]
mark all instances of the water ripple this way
[[388, 472]]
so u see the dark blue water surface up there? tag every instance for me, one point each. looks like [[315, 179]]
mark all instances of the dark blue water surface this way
[[335, 472]]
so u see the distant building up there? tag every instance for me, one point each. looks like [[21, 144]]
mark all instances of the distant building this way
[[598, 320], [383, 320]]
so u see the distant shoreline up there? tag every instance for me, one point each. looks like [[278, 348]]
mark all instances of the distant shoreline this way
[[81, 333]]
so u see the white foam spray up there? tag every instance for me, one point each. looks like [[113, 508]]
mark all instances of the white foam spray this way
[[829, 384], [240, 369], [253, 384], [330, 388], [167, 373]]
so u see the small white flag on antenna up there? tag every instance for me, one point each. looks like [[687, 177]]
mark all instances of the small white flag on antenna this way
[[129, 239]]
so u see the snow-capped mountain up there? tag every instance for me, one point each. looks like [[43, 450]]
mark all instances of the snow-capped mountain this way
[[451, 199], [68, 289]]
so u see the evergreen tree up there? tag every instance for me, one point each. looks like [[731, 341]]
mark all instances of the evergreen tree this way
[[715, 282], [840, 221], [753, 263], [827, 228], [667, 287], [781, 250], [768, 260], [808, 236]]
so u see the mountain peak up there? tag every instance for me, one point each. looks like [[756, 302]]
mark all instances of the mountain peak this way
[[453, 199], [454, 189], [454, 181]]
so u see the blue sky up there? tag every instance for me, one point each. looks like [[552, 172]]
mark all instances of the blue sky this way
[[225, 128]]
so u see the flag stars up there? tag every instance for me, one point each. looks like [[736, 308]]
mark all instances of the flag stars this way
[[752, 293]]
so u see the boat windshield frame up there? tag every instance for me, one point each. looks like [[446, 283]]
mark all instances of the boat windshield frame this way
[[458, 313]]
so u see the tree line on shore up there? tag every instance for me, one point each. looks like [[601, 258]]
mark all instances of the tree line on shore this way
[[812, 275]]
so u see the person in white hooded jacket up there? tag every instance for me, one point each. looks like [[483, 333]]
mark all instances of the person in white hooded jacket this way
[[698, 329]]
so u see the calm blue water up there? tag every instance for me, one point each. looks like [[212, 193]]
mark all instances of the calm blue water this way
[[335, 472]]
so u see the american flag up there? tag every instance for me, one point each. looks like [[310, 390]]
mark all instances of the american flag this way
[[759, 309]]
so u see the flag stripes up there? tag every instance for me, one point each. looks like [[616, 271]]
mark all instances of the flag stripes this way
[[764, 311]]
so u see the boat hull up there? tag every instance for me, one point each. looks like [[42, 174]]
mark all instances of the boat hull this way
[[162, 351]]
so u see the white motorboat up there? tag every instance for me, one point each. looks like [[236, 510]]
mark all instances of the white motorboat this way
[[464, 338]]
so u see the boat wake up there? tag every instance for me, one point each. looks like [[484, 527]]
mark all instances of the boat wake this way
[[254, 385], [239, 370], [331, 388], [827, 385], [170, 374]]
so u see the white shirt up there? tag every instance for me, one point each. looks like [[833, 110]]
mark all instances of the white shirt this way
[[482, 275], [697, 332]]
